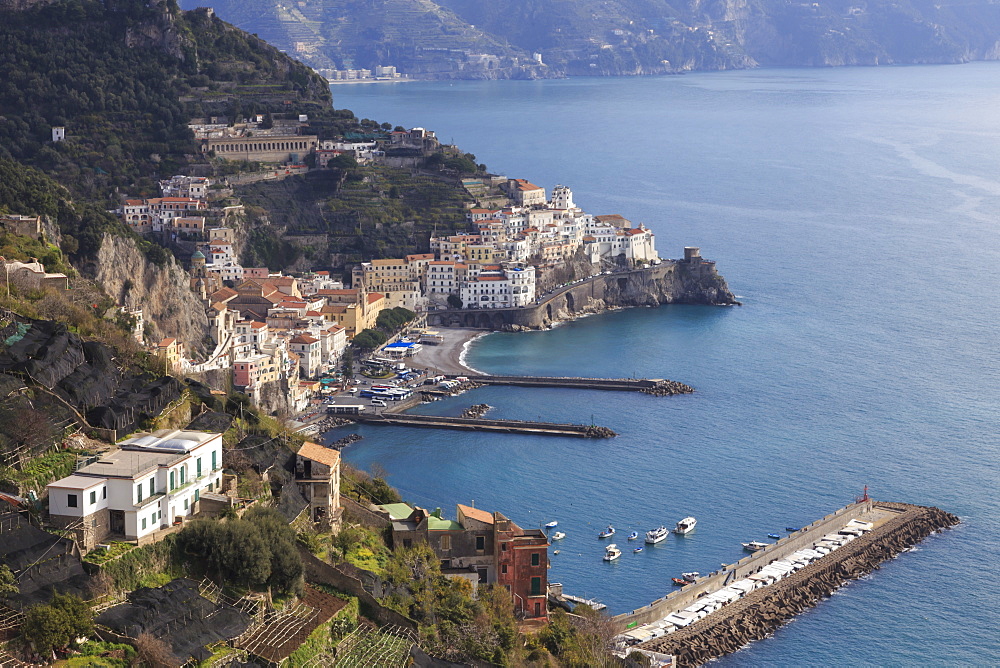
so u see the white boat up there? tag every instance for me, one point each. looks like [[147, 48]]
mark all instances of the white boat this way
[[558, 535], [692, 576], [610, 531], [611, 552], [686, 525], [654, 536], [552, 525], [754, 545]]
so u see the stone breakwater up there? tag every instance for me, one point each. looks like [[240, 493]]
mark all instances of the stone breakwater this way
[[668, 388], [341, 443], [758, 615], [477, 411]]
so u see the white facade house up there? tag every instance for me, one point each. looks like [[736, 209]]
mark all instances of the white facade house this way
[[140, 488], [507, 286]]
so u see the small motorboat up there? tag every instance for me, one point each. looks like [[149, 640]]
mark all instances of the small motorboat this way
[[791, 529], [754, 545], [555, 551], [558, 535], [611, 552], [636, 550], [686, 525], [679, 582], [633, 535], [654, 536], [691, 577], [610, 531], [773, 535], [552, 525]]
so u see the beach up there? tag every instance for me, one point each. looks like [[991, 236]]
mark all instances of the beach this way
[[446, 357]]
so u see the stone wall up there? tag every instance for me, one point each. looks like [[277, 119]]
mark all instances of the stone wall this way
[[756, 616], [670, 282], [356, 513]]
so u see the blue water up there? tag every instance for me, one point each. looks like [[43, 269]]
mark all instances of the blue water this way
[[855, 213]]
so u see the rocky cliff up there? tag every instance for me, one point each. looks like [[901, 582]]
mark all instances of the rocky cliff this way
[[169, 306]]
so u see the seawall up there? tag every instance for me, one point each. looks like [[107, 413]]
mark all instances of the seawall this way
[[756, 616], [670, 282]]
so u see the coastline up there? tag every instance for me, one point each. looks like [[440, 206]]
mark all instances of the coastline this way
[[449, 356]]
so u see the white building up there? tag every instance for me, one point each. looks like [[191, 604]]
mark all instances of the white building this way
[[138, 489], [509, 285]]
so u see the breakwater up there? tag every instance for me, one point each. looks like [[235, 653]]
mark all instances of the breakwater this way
[[483, 425], [757, 615], [656, 386]]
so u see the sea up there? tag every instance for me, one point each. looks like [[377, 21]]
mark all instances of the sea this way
[[855, 214]]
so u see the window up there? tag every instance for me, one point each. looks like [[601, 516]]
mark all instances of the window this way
[[183, 474], [93, 497], [144, 523], [214, 463], [198, 464], [446, 542], [185, 504], [152, 486], [480, 543], [138, 493], [503, 569], [536, 586], [503, 547], [407, 543], [534, 558], [197, 494], [71, 500], [172, 485], [104, 492]]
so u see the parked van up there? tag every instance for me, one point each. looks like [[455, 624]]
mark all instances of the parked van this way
[[378, 402]]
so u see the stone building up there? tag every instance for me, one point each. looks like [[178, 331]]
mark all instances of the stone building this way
[[263, 148], [317, 473]]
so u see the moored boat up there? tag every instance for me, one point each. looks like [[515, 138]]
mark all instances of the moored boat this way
[[679, 582], [633, 535], [552, 525], [691, 577], [686, 525], [636, 550], [773, 535], [654, 536], [754, 545], [791, 529], [558, 535], [611, 552], [610, 531]]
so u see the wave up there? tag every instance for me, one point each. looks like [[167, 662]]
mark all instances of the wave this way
[[465, 352]]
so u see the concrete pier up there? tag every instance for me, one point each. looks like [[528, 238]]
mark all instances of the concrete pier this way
[[657, 386], [897, 527], [484, 425]]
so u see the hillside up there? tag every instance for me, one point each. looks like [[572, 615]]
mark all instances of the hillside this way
[[619, 37]]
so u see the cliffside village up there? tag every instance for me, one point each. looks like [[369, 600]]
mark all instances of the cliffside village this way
[[278, 332]]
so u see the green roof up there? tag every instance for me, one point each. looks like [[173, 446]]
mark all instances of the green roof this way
[[397, 511], [438, 524]]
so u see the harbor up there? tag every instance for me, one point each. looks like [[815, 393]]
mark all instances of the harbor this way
[[655, 386], [746, 601]]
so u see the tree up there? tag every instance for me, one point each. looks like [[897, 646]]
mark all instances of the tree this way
[[8, 583], [454, 301], [368, 339], [153, 652], [57, 624], [347, 363]]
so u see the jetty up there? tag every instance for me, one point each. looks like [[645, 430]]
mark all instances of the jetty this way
[[654, 386], [485, 425], [743, 604]]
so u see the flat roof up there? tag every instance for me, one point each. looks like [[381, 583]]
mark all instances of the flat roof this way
[[76, 482], [128, 463]]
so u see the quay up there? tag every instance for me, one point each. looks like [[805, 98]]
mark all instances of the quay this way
[[657, 386], [759, 610], [485, 425]]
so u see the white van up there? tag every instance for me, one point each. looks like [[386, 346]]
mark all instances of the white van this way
[[378, 402]]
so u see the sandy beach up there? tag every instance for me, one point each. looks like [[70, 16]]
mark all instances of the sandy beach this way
[[445, 357]]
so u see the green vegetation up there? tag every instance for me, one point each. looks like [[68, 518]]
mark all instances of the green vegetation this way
[[585, 640], [368, 339], [255, 551], [366, 488], [8, 583], [103, 556], [454, 301], [391, 320], [39, 471], [55, 625], [362, 547], [98, 654], [147, 566]]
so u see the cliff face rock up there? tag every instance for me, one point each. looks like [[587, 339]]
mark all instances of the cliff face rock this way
[[170, 308]]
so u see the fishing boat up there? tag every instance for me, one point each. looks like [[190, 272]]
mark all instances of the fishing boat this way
[[555, 551], [791, 529], [654, 536], [679, 582], [690, 577], [686, 525], [633, 535], [610, 531], [773, 535], [754, 545], [611, 552], [636, 550], [558, 535], [552, 525]]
